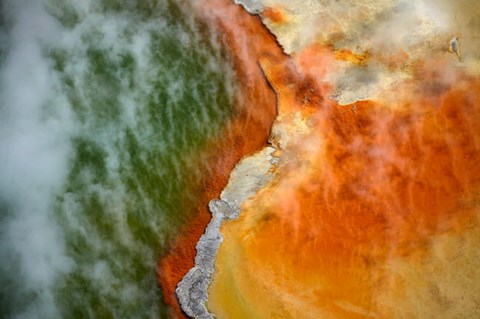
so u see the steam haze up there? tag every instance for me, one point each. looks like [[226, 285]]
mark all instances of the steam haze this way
[[102, 110], [34, 150]]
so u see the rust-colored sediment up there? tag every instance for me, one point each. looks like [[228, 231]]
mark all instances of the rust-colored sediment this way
[[275, 14], [245, 39], [374, 214]]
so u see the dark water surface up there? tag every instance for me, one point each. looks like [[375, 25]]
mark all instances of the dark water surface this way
[[105, 108]]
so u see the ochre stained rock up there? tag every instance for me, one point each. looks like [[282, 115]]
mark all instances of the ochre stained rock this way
[[245, 40], [374, 208], [275, 14]]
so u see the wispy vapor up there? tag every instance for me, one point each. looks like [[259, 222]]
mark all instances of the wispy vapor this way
[[34, 147]]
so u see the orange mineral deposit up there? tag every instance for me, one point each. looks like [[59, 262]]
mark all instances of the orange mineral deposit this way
[[245, 40], [373, 211], [275, 14]]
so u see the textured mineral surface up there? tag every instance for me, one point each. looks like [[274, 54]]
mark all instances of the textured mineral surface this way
[[244, 39], [373, 210], [250, 175]]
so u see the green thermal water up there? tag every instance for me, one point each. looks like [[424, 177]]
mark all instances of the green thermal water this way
[[147, 88]]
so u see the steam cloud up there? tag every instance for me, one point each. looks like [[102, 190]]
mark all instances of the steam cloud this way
[[34, 149]]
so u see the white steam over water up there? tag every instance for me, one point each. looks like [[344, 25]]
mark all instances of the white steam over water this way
[[104, 107], [34, 152]]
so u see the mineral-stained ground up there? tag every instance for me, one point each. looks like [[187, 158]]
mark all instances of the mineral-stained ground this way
[[372, 202], [245, 39]]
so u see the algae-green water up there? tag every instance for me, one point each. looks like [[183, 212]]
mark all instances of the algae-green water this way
[[105, 109]]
